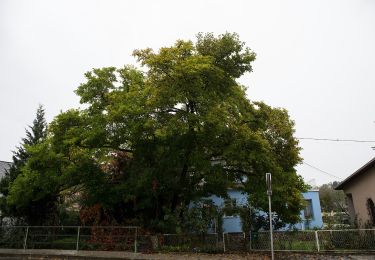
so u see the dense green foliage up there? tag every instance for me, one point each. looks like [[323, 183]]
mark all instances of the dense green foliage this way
[[334, 206], [151, 141], [331, 199]]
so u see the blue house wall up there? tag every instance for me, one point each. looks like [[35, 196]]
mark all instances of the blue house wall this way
[[316, 221], [233, 223]]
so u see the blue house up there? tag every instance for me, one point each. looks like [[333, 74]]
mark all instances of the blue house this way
[[311, 216]]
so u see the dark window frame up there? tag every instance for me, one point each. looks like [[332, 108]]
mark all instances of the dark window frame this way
[[371, 210], [308, 211]]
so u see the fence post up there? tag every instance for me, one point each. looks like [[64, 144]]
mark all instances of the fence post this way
[[135, 240], [78, 233], [25, 241], [224, 241], [317, 241], [250, 240], [244, 240]]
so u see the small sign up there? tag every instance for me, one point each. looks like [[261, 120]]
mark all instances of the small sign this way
[[269, 183]]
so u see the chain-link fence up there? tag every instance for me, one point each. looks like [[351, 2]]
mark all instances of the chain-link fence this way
[[12, 237], [71, 238], [234, 242], [284, 240], [50, 238], [319, 240], [108, 238], [131, 239], [353, 240], [191, 242]]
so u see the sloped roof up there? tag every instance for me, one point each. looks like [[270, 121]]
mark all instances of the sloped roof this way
[[360, 171], [3, 167]]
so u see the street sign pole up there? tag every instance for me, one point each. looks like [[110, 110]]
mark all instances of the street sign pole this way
[[269, 193]]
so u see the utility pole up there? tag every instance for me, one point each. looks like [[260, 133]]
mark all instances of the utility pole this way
[[269, 193]]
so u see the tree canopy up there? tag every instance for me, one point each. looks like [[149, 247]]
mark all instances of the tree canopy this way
[[151, 140]]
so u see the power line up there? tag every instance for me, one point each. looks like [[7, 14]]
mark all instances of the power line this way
[[336, 140], [316, 168]]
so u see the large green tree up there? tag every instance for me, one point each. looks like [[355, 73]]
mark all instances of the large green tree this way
[[152, 140]]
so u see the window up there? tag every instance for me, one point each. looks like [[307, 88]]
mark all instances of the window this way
[[230, 206], [308, 211], [371, 210]]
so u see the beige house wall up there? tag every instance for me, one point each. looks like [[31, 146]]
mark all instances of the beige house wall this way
[[361, 188]]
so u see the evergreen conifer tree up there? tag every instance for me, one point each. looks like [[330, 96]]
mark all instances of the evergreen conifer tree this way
[[35, 134]]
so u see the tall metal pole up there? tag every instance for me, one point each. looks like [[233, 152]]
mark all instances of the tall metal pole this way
[[269, 193], [135, 240], [270, 215]]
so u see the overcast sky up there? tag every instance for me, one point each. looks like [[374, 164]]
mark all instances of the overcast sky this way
[[315, 58]]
